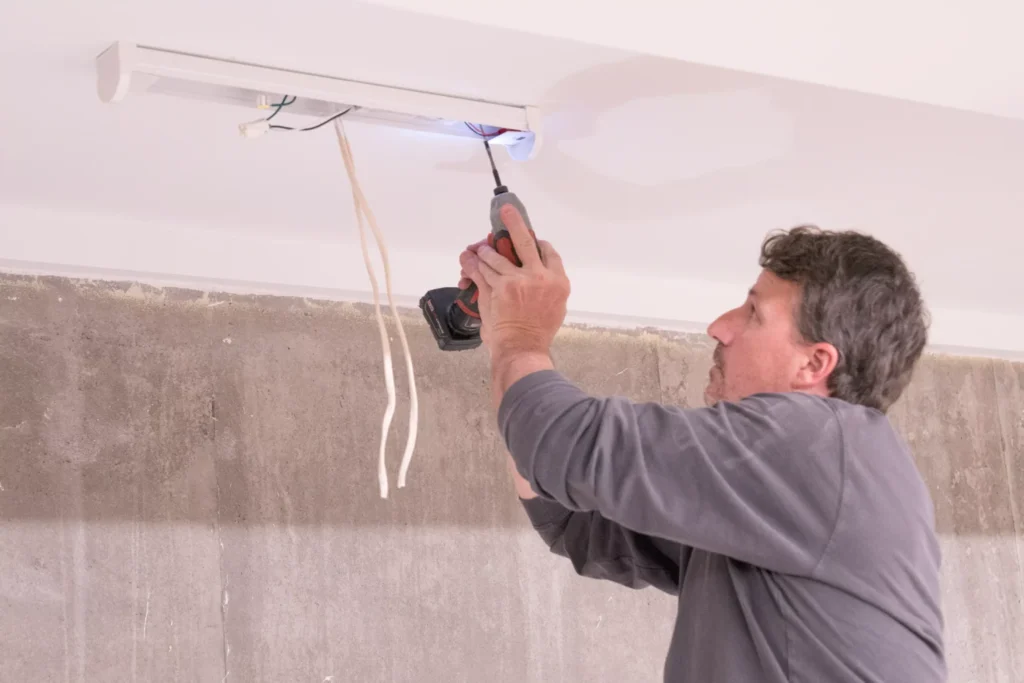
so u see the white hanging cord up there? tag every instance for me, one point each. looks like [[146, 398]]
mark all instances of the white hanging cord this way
[[363, 210], [389, 374], [410, 443]]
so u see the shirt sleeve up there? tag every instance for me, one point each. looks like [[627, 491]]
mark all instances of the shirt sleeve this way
[[601, 549], [759, 480]]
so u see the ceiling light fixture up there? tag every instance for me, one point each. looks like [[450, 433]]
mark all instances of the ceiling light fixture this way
[[125, 68]]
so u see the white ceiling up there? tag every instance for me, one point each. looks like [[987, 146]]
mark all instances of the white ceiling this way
[[656, 174], [953, 54]]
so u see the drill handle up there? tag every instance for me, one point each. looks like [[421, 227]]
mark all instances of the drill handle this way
[[467, 309], [500, 239]]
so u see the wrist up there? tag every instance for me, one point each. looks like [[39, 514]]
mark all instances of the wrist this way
[[508, 366], [511, 366]]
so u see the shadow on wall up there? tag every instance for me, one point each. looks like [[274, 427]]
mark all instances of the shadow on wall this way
[[122, 403]]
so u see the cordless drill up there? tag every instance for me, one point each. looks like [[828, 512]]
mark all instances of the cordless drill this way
[[453, 313]]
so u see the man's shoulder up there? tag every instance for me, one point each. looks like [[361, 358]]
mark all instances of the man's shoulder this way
[[830, 425], [791, 414], [803, 407]]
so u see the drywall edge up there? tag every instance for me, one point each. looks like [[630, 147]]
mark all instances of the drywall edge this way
[[38, 241]]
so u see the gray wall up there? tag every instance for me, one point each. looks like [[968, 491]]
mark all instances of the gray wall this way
[[189, 491]]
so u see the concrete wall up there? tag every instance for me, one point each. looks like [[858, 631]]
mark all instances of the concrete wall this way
[[188, 492]]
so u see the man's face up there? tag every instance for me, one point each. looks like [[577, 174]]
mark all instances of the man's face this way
[[759, 348]]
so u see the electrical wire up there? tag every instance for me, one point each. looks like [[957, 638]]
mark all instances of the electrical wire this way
[[322, 123], [281, 105], [389, 375], [480, 131], [365, 215]]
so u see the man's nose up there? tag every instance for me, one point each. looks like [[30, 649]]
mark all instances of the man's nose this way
[[719, 329]]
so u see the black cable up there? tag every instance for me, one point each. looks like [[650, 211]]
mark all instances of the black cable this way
[[322, 123], [281, 105], [326, 121]]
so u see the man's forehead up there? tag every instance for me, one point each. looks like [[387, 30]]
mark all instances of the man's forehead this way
[[770, 285]]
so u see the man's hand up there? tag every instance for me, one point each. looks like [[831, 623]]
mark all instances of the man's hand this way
[[521, 309]]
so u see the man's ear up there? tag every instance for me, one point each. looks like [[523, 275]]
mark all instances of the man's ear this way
[[820, 360]]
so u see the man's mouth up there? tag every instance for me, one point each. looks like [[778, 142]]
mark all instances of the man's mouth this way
[[717, 360]]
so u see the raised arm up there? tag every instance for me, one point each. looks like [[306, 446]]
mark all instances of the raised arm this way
[[759, 480], [601, 549]]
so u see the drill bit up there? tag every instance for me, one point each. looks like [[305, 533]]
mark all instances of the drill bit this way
[[494, 169]]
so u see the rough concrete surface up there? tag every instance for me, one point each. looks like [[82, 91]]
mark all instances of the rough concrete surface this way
[[188, 492]]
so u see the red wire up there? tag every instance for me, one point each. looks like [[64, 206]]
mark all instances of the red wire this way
[[480, 131]]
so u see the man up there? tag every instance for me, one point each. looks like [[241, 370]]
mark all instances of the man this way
[[787, 516]]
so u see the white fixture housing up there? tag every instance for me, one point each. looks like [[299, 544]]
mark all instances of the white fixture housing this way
[[125, 68]]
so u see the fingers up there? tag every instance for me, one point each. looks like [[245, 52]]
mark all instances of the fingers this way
[[550, 257], [496, 261], [479, 271], [481, 262], [464, 279], [525, 244], [468, 261]]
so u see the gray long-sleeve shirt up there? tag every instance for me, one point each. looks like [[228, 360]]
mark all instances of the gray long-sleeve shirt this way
[[795, 530]]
